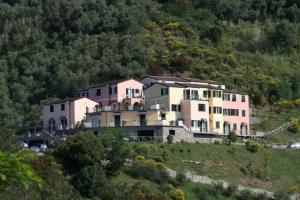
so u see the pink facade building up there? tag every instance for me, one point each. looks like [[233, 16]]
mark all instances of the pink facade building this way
[[112, 92], [236, 112], [66, 113]]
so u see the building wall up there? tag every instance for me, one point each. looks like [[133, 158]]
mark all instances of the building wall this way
[[190, 111], [107, 118], [132, 84], [153, 96], [104, 98], [213, 117], [47, 115], [129, 117], [74, 112], [238, 104], [81, 107], [175, 97]]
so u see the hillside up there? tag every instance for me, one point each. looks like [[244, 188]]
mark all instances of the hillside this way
[[52, 48]]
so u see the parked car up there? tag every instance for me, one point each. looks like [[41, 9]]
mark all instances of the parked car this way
[[35, 149], [23, 145], [43, 147], [295, 145]]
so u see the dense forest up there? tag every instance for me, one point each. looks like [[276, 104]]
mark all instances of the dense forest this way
[[51, 48]]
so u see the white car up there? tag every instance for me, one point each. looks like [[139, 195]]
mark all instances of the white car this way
[[23, 145], [43, 147], [35, 149], [295, 145]]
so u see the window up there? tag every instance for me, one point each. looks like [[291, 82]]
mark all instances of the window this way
[[163, 116], [201, 107], [51, 108], [225, 111], [62, 107], [208, 93], [243, 98], [196, 123], [98, 92], [171, 132], [217, 110], [217, 124], [164, 91], [116, 90], [110, 90], [187, 94], [129, 92], [195, 94], [209, 109], [176, 108], [137, 91], [205, 93], [234, 97], [87, 94], [217, 94], [244, 113], [226, 97], [234, 127]]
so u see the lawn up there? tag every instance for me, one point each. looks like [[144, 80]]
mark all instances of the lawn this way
[[192, 191], [271, 169]]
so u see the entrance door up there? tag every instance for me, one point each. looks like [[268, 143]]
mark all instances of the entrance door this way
[[117, 121], [243, 129], [142, 120], [226, 128], [51, 124], [63, 122]]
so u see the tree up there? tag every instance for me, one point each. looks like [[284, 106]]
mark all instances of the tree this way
[[15, 170], [92, 182], [115, 150], [232, 136], [79, 151]]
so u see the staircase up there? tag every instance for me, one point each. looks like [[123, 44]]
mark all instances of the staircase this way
[[283, 128]]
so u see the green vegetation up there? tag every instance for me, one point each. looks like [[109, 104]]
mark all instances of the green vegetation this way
[[267, 168], [274, 116], [249, 45], [88, 166]]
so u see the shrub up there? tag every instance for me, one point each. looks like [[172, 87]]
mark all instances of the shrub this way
[[143, 150], [149, 169], [165, 155], [232, 136], [252, 146], [230, 190], [280, 195], [201, 193], [180, 179], [177, 194], [294, 189], [170, 139], [217, 142], [245, 195]]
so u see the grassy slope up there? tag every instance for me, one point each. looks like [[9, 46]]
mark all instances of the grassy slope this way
[[188, 188], [271, 120], [279, 169]]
